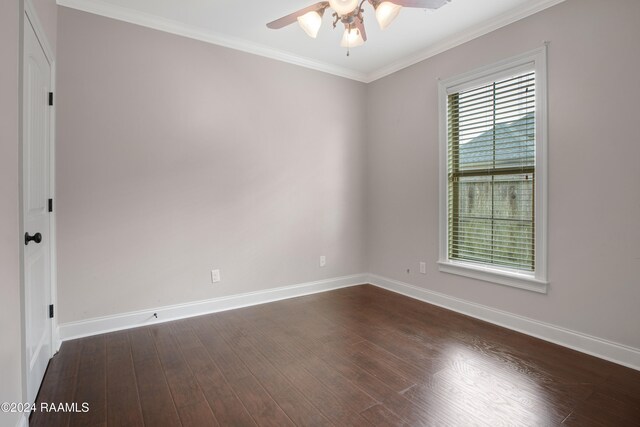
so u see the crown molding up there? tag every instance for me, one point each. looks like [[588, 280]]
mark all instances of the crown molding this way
[[102, 8], [464, 36]]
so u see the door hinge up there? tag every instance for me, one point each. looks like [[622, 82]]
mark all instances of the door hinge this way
[[50, 205], [50, 98], [50, 311]]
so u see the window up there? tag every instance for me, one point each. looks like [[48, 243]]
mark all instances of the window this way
[[493, 173]]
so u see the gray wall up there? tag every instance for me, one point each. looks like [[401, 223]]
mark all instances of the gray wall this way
[[10, 353], [594, 152], [175, 157]]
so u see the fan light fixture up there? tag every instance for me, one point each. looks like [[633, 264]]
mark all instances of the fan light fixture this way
[[349, 13]]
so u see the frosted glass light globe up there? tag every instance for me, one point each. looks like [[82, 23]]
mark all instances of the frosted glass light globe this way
[[351, 38], [343, 7], [386, 12], [310, 23]]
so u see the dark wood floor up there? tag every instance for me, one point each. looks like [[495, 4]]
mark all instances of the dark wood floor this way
[[355, 356]]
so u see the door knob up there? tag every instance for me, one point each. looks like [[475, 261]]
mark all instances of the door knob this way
[[36, 238]]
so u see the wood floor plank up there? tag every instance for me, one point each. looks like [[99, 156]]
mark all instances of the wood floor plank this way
[[62, 393], [578, 420], [182, 383], [366, 350], [142, 345], [123, 401], [58, 386], [187, 393], [261, 406], [292, 402], [416, 413], [257, 401], [622, 385], [337, 411], [65, 363], [392, 377], [605, 409], [231, 367], [410, 412], [380, 415], [91, 385], [343, 389], [155, 397], [303, 333], [340, 387], [197, 415], [226, 406]]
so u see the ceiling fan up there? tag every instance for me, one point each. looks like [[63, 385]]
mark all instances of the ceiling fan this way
[[349, 13]]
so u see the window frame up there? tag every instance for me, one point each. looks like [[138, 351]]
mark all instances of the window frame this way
[[534, 60]]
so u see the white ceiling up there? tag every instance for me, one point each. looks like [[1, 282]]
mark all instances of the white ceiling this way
[[415, 35]]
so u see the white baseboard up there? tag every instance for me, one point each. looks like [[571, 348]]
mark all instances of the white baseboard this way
[[99, 325], [57, 342], [613, 352]]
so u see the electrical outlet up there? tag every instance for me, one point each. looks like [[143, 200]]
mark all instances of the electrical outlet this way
[[323, 260], [423, 267], [215, 276]]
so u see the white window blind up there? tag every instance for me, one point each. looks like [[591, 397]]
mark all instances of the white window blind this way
[[492, 173]]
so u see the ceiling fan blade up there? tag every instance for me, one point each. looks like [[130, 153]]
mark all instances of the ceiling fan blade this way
[[292, 17], [422, 4], [360, 26]]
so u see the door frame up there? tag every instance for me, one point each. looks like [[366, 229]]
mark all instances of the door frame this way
[[30, 17]]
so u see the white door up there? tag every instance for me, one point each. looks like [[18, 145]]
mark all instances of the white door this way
[[35, 196]]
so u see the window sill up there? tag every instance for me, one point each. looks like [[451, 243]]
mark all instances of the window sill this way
[[495, 275]]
